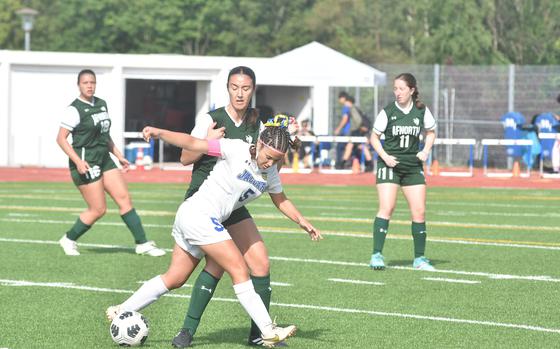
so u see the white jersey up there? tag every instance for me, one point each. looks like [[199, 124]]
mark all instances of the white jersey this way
[[235, 181]]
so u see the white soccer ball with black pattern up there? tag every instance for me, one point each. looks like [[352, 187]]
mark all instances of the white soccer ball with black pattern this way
[[129, 329]]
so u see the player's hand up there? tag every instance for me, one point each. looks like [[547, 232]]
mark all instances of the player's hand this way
[[315, 234], [150, 132], [125, 164], [422, 155], [390, 161], [215, 133], [83, 167]]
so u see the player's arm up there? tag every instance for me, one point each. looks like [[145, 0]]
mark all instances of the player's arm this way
[[62, 141], [183, 140], [199, 131], [430, 122], [290, 210], [113, 149]]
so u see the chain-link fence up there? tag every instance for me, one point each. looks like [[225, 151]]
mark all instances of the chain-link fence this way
[[467, 101]]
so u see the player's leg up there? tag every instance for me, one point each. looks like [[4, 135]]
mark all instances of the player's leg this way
[[416, 197], [94, 196], [181, 266], [208, 279], [228, 256], [116, 187], [247, 238], [387, 197]]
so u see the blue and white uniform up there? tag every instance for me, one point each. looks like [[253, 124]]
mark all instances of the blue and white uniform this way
[[235, 181]]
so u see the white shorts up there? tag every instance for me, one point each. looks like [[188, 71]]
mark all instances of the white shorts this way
[[193, 228]]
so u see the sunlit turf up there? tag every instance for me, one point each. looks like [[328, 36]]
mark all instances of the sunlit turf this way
[[497, 250]]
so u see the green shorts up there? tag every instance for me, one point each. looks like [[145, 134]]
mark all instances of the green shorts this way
[[97, 166], [401, 175]]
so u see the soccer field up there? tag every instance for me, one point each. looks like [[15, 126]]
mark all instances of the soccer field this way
[[497, 252]]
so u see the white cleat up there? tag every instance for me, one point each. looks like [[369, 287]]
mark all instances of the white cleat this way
[[113, 311], [277, 334], [149, 248], [70, 247]]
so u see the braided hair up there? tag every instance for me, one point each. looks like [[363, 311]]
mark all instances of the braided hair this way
[[278, 138]]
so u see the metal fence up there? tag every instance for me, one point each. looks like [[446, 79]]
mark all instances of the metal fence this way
[[468, 101]]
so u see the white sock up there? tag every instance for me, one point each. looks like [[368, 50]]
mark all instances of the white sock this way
[[145, 295], [253, 305]]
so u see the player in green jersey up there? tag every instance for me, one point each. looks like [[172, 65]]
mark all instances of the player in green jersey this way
[[400, 163], [240, 122], [92, 169]]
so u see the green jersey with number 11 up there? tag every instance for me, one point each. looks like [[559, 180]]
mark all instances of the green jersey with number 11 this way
[[402, 129]]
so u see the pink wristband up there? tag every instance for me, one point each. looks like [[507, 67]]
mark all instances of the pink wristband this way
[[214, 147]]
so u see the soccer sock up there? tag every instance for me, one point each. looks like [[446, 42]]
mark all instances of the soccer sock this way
[[132, 221], [380, 228], [77, 230], [145, 295], [202, 292], [262, 288], [419, 237], [253, 305]]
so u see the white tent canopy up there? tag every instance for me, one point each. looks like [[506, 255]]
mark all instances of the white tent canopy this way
[[36, 86]]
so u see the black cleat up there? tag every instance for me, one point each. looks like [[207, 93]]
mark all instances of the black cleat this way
[[183, 339]]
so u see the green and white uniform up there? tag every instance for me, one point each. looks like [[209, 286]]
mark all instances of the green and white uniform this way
[[203, 167], [89, 124], [402, 129]]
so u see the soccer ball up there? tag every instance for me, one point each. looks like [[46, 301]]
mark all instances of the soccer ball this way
[[129, 329]]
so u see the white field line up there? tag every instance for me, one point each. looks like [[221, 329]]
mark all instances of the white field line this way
[[278, 216], [545, 278], [359, 282], [23, 283], [363, 235], [457, 281], [366, 207]]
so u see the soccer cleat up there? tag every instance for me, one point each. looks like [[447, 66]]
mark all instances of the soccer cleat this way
[[149, 248], [258, 342], [113, 311], [276, 335], [70, 247], [422, 263], [376, 262], [183, 339]]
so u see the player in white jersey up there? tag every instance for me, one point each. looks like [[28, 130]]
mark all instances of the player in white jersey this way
[[243, 173]]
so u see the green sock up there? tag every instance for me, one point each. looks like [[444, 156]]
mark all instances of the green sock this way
[[132, 221], [262, 287], [77, 230], [380, 230], [419, 237], [202, 292]]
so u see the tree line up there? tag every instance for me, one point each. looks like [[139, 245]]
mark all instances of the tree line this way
[[465, 32]]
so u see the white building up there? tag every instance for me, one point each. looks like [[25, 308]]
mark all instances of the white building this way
[[162, 90]]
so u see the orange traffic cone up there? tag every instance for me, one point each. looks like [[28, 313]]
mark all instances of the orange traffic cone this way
[[356, 166], [435, 168], [515, 171], [140, 159]]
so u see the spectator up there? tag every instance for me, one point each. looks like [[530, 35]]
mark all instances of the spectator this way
[[343, 128]]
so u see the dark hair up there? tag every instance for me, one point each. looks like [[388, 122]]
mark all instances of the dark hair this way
[[243, 71], [85, 72], [558, 99], [411, 83], [251, 113], [351, 99], [343, 94], [278, 138]]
